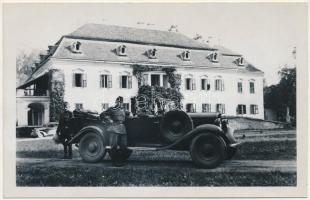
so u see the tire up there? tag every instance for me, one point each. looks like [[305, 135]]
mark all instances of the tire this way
[[92, 147], [207, 150], [230, 153], [120, 155], [174, 125]]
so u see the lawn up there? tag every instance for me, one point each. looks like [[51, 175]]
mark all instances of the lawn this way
[[86, 175]]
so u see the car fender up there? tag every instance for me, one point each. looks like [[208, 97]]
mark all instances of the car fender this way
[[183, 142], [83, 131]]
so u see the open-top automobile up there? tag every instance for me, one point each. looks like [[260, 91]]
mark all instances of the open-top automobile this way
[[207, 136]]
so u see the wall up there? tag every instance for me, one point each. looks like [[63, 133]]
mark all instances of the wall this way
[[22, 104], [93, 95], [230, 96]]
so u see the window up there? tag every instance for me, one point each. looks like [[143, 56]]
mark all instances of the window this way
[[206, 107], [220, 108], [152, 53], [219, 85], [105, 81], [79, 106], [252, 88], [79, 80], [186, 55], [121, 50], [240, 61], [214, 57], [190, 84], [155, 80], [241, 109], [239, 87], [253, 109], [104, 106], [126, 106], [205, 84], [191, 107], [76, 47], [125, 81]]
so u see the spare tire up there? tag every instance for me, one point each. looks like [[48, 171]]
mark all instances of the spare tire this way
[[175, 124]]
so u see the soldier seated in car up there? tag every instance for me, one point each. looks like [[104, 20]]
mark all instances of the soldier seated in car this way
[[63, 131]]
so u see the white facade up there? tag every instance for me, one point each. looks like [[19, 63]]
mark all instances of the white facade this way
[[93, 96]]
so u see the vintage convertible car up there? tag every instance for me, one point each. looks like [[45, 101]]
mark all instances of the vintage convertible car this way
[[206, 136]]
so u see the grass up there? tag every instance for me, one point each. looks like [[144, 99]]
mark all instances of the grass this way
[[85, 176]]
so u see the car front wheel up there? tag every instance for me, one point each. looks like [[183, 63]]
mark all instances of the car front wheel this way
[[207, 150], [92, 147]]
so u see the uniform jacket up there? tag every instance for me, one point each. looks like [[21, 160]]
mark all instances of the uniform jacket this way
[[117, 114]]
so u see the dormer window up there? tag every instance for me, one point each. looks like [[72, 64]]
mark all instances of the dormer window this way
[[240, 61], [186, 55], [76, 47], [214, 57], [122, 50], [152, 53]]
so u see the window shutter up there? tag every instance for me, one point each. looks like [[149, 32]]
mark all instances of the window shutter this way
[[109, 81], [145, 79], [129, 82], [193, 84], [73, 80], [223, 85], [120, 81], [100, 81], [84, 84]]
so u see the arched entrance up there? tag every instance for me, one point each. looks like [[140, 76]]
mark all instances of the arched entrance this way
[[35, 114]]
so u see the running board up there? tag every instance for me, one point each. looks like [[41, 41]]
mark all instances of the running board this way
[[235, 144], [138, 148]]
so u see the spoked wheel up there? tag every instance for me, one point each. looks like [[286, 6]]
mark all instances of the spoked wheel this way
[[92, 147], [120, 155], [207, 150]]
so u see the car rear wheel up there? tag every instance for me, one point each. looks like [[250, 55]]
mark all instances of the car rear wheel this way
[[92, 147], [207, 150], [120, 155]]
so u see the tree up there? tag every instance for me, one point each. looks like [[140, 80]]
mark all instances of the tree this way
[[25, 64], [282, 96]]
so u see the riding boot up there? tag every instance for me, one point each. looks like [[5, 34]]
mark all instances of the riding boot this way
[[70, 151], [65, 152]]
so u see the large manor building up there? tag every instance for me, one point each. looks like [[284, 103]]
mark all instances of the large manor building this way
[[96, 62]]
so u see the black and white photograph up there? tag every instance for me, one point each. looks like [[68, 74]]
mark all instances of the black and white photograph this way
[[156, 95]]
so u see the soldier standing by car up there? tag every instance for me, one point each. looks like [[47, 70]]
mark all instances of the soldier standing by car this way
[[117, 130], [63, 131]]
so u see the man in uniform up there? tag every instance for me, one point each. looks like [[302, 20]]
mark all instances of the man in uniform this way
[[117, 130], [63, 131]]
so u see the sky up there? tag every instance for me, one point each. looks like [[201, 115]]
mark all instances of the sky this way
[[264, 33]]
